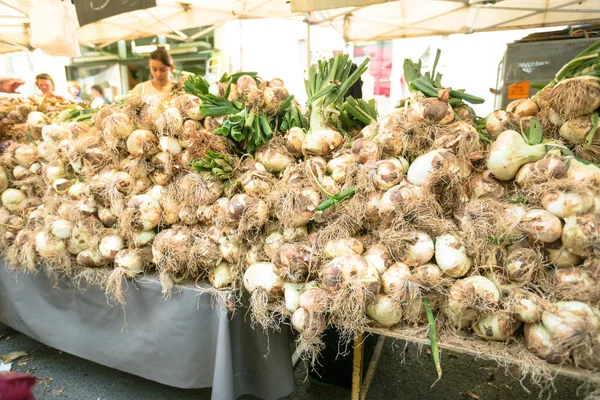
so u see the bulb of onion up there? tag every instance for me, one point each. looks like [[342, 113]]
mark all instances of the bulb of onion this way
[[451, 256]]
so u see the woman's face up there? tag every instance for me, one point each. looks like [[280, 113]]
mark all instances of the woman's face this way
[[160, 71], [45, 85]]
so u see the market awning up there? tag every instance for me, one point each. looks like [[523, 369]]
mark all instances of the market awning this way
[[365, 21], [168, 18]]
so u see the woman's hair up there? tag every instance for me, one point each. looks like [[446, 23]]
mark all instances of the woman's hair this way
[[45, 77], [98, 89], [161, 54]]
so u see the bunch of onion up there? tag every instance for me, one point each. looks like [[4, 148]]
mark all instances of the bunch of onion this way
[[128, 263], [263, 283], [565, 327], [309, 319], [353, 285], [170, 254]]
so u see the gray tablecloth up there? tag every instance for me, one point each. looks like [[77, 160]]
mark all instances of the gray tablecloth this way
[[188, 341]]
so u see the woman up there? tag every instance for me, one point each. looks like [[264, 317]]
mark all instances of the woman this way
[[161, 67], [98, 97], [45, 83], [74, 91]]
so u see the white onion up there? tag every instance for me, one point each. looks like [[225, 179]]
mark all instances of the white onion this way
[[305, 322], [477, 288], [291, 294], [131, 260], [61, 186], [365, 150], [584, 173], [451, 256], [25, 155], [263, 276], [527, 306], [143, 238], [388, 173], [314, 299], [142, 142], [220, 277], [47, 246], [37, 118], [156, 192], [20, 173], [509, 152], [55, 171], [12, 199], [338, 165], [419, 251], [336, 248], [378, 257], [560, 257], [230, 250], [273, 159], [496, 326], [90, 258], [77, 190], [149, 211], [540, 343], [385, 310], [62, 228], [564, 204], [394, 199], [110, 246], [541, 225], [3, 179], [581, 233], [395, 280], [169, 145], [423, 167]]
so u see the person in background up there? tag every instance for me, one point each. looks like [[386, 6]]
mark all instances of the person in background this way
[[161, 68], [74, 91], [45, 83], [98, 99], [10, 85]]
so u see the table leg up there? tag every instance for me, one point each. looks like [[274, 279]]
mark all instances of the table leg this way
[[357, 366]]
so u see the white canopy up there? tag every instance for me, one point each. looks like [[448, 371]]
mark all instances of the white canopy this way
[[169, 18], [366, 21]]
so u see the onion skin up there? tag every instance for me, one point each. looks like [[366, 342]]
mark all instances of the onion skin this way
[[365, 150], [378, 257], [420, 250], [564, 204], [308, 323], [509, 152], [542, 225], [496, 123], [451, 256], [581, 233], [336, 248], [432, 110], [479, 287], [540, 343], [263, 276]]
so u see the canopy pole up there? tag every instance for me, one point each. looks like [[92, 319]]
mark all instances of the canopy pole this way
[[308, 52]]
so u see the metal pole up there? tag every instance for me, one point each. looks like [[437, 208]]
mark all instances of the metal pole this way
[[308, 53]]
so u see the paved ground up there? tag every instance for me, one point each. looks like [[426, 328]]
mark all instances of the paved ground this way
[[403, 374]]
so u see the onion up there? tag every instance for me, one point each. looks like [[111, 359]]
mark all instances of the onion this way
[[559, 256], [451, 256], [263, 276], [77, 190], [314, 300], [521, 263], [25, 155], [149, 211], [365, 150], [170, 122], [47, 246], [37, 119], [220, 277], [581, 233], [243, 206], [343, 269], [62, 229], [496, 326], [142, 142], [143, 238], [3, 179], [80, 240], [12, 199], [338, 166], [90, 258], [390, 133], [55, 171], [87, 206], [540, 343], [388, 173], [576, 281], [385, 310], [273, 242], [423, 167], [372, 207], [61, 186], [131, 260], [321, 141], [291, 294], [110, 245], [509, 152], [527, 306], [541, 225], [169, 144], [256, 183], [294, 139], [522, 108], [563, 204], [273, 159], [483, 186], [20, 173], [229, 249], [54, 134], [305, 322], [584, 173], [292, 262], [432, 110], [419, 251], [150, 111], [496, 123], [466, 291], [393, 200], [117, 126], [541, 171], [336, 248], [156, 192], [378, 257], [396, 280]]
